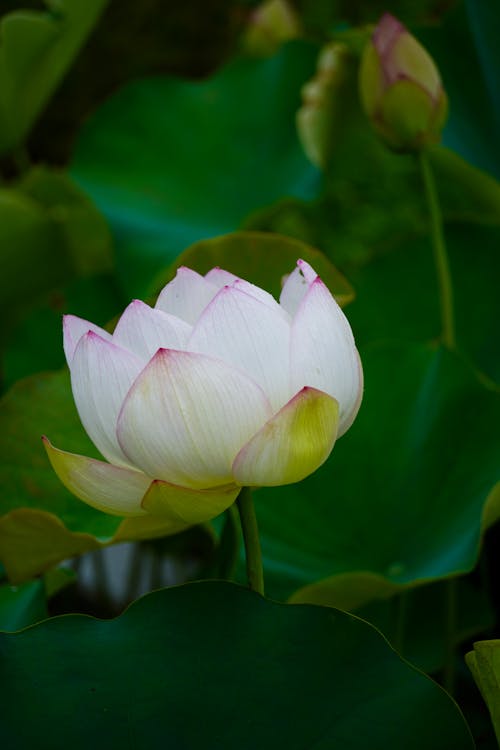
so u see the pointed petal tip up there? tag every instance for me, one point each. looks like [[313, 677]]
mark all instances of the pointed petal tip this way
[[104, 486]]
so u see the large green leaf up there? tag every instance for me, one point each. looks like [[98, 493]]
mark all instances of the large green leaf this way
[[170, 162], [41, 523], [22, 605], [212, 665], [35, 51], [403, 493], [397, 293], [414, 617]]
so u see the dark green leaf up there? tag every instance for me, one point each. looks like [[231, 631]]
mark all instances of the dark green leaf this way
[[170, 162], [403, 493], [22, 605], [211, 665], [413, 617]]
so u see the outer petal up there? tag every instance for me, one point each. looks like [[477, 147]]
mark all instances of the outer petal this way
[[101, 375], [187, 505], [109, 488], [296, 286], [186, 295], [187, 416], [73, 330], [293, 444], [248, 334], [144, 330], [323, 353]]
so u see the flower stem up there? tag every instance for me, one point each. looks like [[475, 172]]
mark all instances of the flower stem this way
[[250, 531], [229, 546], [440, 254]]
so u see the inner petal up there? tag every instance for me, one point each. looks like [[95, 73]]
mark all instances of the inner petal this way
[[248, 334]]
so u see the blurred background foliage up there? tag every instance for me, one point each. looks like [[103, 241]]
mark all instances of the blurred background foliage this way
[[134, 135]]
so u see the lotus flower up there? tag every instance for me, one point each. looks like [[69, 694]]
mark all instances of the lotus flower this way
[[216, 387]]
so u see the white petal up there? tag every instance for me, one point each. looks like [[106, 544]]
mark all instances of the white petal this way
[[323, 353], [101, 375], [186, 296], [307, 271], [144, 330], [296, 286], [261, 295], [73, 329], [219, 277], [248, 334], [187, 416], [109, 488]]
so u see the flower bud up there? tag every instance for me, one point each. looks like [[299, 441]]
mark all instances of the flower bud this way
[[218, 386], [323, 97], [271, 24], [401, 89]]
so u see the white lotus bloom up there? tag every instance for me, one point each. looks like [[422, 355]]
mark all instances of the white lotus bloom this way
[[217, 387]]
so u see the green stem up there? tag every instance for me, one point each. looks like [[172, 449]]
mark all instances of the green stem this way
[[450, 628], [229, 546], [250, 531], [440, 254]]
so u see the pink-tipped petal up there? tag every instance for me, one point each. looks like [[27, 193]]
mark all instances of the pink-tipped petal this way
[[323, 353], [248, 334], [219, 277], [307, 271], [73, 330], [187, 416], [144, 330], [293, 444], [260, 294], [296, 286], [101, 375], [112, 489], [187, 505], [186, 296]]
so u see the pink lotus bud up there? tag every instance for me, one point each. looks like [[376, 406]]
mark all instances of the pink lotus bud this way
[[401, 89]]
